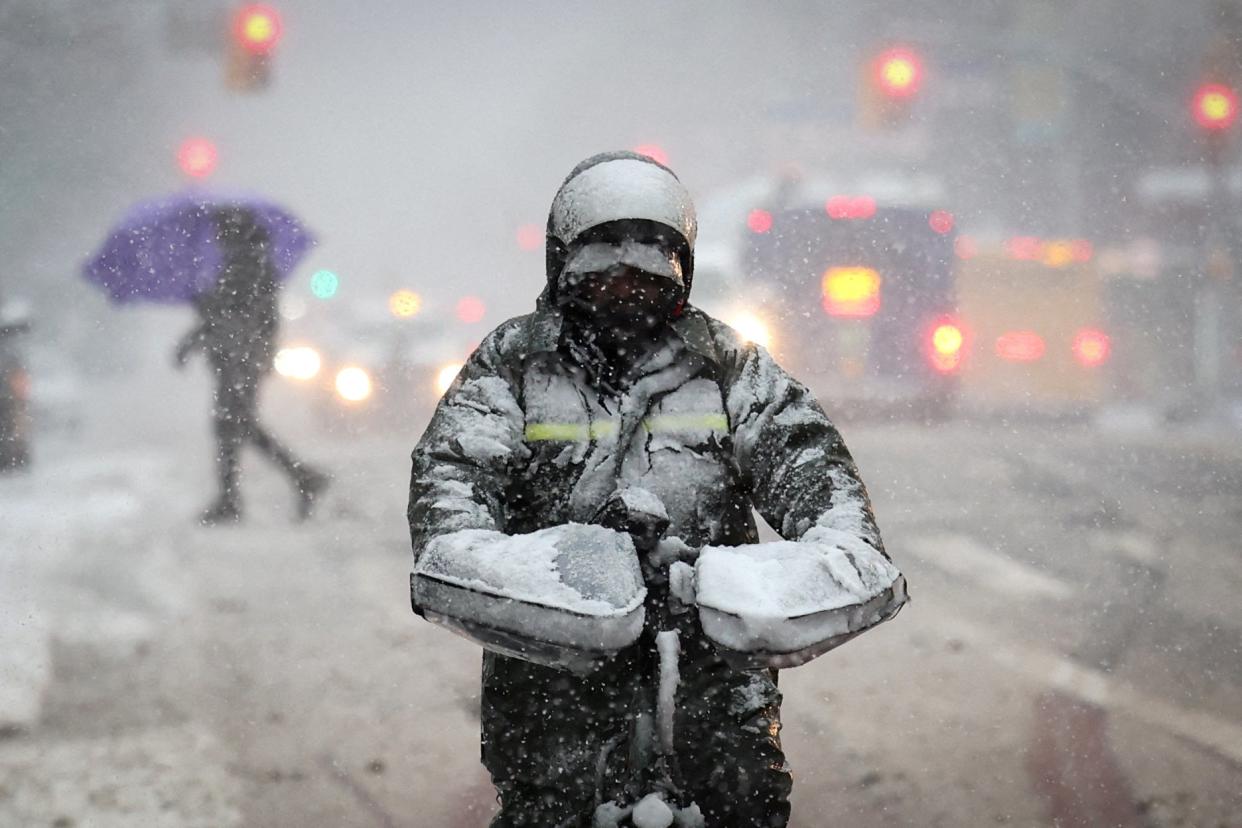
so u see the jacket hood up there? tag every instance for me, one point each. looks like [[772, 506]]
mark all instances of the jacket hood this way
[[612, 187]]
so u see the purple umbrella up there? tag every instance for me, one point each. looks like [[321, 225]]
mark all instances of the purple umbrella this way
[[165, 250]]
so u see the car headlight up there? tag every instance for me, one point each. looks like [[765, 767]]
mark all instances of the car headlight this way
[[446, 375], [750, 327], [300, 363], [353, 384]]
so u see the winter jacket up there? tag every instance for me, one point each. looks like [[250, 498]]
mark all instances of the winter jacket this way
[[710, 425], [713, 427], [239, 320]]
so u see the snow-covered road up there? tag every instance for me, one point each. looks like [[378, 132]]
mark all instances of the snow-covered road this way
[[1071, 654]]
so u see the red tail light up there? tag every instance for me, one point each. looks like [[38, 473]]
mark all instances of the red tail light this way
[[1020, 346], [940, 221], [759, 221], [946, 345], [1091, 347]]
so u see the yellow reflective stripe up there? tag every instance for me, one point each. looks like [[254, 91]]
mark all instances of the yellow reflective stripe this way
[[601, 428], [659, 424], [569, 432], [573, 432], [686, 422]]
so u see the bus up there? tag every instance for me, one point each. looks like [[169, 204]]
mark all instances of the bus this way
[[861, 299], [880, 305]]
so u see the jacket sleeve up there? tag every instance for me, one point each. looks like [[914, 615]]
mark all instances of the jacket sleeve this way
[[465, 458], [803, 479]]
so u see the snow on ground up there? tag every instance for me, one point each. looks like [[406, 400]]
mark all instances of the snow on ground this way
[[173, 778], [272, 674]]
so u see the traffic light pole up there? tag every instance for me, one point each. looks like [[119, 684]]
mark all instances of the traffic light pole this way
[[1219, 267], [1216, 319]]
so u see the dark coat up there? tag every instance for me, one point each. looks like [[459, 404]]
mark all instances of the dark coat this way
[[712, 426], [238, 318]]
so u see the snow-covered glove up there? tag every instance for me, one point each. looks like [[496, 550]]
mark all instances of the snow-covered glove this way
[[561, 596], [783, 603]]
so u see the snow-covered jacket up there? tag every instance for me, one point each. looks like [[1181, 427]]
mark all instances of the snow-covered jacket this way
[[709, 424]]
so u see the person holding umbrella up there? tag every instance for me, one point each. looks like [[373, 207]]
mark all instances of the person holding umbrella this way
[[226, 258], [237, 329]]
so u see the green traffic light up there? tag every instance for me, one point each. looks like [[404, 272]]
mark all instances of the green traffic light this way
[[324, 284]]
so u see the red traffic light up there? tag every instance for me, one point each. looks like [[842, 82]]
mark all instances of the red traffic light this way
[[257, 28], [898, 72], [197, 157], [1215, 106]]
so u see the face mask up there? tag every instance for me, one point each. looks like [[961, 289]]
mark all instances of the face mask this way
[[621, 298]]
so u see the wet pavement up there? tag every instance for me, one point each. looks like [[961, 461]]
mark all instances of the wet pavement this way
[[1072, 655]]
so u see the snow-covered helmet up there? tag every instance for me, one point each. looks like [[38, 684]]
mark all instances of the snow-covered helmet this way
[[620, 187]]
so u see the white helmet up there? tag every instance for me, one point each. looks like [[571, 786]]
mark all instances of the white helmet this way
[[620, 186]]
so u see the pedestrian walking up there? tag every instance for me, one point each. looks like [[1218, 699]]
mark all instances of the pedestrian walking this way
[[238, 323]]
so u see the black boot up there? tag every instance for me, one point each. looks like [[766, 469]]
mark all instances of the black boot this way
[[310, 484], [224, 510]]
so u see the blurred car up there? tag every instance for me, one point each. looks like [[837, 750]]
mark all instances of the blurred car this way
[[373, 372], [14, 391], [1034, 335]]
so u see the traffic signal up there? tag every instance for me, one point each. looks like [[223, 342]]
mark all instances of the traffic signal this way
[[898, 73], [1215, 107], [254, 32], [888, 86], [197, 157]]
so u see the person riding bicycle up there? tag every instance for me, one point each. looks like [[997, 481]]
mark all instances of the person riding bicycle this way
[[615, 382]]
